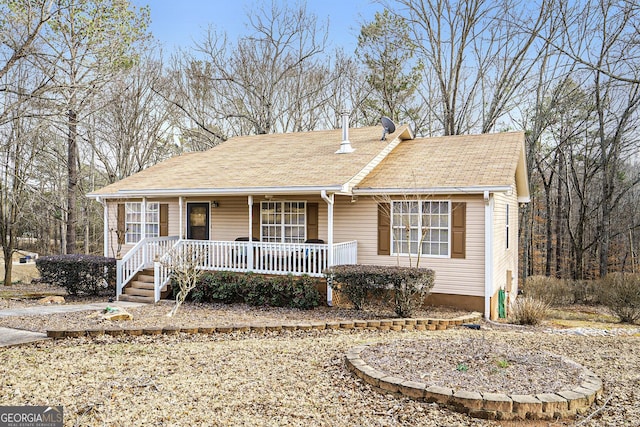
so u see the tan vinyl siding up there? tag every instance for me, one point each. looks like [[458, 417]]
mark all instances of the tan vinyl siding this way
[[230, 219], [358, 221], [505, 259], [112, 207]]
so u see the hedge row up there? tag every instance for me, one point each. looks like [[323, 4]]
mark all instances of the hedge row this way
[[79, 274], [256, 290]]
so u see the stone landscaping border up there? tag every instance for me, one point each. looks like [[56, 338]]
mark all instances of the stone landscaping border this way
[[490, 406], [422, 324]]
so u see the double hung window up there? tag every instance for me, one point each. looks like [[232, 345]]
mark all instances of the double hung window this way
[[134, 223], [283, 222], [421, 227]]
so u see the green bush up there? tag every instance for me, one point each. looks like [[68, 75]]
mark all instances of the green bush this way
[[257, 290], [282, 291], [529, 311], [79, 274], [407, 287], [221, 286], [353, 283], [620, 292]]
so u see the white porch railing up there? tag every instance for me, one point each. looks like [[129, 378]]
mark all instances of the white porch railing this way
[[259, 257], [142, 255], [345, 253]]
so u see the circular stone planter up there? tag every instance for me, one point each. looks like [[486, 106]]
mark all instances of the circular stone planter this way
[[492, 406]]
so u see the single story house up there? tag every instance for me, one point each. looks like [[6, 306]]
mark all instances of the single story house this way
[[300, 202]]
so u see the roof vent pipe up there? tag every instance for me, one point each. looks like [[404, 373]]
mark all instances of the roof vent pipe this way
[[345, 145]]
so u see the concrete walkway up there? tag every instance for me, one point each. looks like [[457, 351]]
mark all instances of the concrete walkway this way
[[9, 336]]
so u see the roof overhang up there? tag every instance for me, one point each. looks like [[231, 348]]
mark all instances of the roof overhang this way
[[206, 192], [432, 190], [522, 177]]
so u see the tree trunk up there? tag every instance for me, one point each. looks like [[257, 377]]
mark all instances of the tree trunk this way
[[7, 253], [548, 227], [559, 230], [72, 165]]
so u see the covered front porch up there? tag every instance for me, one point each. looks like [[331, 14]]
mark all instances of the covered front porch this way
[[238, 256], [279, 235]]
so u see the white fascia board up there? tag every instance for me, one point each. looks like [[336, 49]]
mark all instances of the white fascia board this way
[[366, 170], [195, 192], [433, 190]]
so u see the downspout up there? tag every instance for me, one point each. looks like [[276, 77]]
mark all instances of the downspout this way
[[488, 253], [250, 254], [329, 200], [105, 231], [143, 232], [105, 240], [180, 208]]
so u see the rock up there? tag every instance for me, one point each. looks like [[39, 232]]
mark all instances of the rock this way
[[116, 313], [51, 299], [118, 316]]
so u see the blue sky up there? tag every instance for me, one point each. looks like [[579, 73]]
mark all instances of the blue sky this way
[[176, 23]]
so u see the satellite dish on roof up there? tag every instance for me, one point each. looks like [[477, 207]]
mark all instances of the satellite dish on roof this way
[[389, 127]]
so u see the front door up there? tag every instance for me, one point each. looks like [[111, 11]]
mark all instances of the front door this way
[[198, 221]]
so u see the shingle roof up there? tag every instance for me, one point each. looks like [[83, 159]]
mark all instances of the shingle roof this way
[[276, 160], [450, 161], [308, 159]]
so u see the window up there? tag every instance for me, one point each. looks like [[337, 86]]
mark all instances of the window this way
[[283, 222], [507, 227], [133, 221], [419, 222]]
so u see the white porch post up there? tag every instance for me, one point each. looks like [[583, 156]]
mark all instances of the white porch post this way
[[105, 231], [488, 253], [329, 199], [250, 254], [143, 232], [180, 225], [143, 220]]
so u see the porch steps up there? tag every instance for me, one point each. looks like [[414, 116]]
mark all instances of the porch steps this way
[[140, 289]]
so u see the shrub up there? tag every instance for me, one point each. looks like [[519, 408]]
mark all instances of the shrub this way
[[553, 291], [529, 311], [220, 286], [79, 274], [353, 283], [257, 290], [282, 291], [620, 292], [559, 292], [586, 291], [408, 286]]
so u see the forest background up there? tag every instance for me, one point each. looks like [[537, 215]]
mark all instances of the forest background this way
[[88, 97]]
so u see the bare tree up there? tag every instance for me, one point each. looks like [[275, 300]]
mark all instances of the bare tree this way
[[184, 264], [478, 52], [85, 43], [275, 79], [21, 144], [132, 131]]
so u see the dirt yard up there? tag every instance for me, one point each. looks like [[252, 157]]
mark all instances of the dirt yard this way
[[287, 377], [21, 273]]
